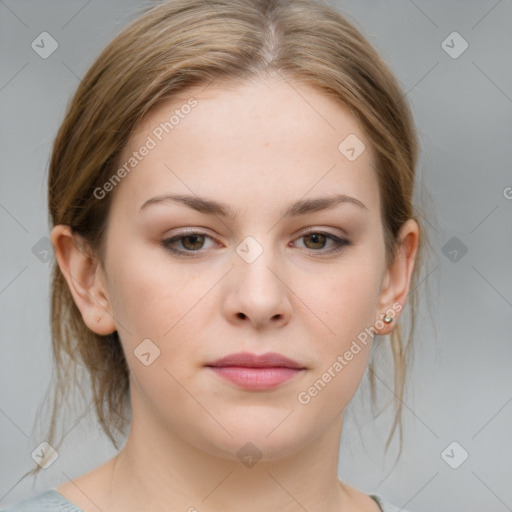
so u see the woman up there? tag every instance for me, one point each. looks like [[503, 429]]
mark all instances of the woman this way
[[231, 199]]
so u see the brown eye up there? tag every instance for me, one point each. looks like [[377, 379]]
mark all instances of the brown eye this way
[[320, 244], [192, 242], [190, 245], [317, 240]]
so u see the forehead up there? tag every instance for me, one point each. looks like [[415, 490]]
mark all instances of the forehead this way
[[263, 139]]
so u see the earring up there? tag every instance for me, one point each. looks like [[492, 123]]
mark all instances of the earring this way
[[388, 319]]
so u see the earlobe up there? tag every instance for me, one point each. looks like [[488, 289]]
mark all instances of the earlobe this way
[[83, 275], [397, 280]]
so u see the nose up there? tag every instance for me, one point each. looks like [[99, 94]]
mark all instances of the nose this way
[[257, 293]]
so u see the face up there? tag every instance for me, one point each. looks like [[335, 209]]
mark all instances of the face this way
[[257, 267]]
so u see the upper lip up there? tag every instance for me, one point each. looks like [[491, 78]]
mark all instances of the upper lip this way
[[246, 359]]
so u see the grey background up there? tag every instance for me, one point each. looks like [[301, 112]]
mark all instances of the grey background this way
[[461, 383]]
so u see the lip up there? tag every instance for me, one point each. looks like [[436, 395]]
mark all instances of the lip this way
[[256, 372]]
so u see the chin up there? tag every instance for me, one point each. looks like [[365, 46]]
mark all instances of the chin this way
[[265, 439]]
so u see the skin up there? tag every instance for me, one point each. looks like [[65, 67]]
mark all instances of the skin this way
[[246, 145]]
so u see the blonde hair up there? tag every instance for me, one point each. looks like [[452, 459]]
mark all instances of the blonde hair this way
[[183, 43]]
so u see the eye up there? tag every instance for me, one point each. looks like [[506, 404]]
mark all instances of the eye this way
[[191, 243], [316, 241]]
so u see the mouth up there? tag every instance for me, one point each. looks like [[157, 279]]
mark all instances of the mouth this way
[[256, 372]]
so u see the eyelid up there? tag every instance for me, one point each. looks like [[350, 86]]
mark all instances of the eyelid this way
[[325, 231], [315, 229], [187, 231]]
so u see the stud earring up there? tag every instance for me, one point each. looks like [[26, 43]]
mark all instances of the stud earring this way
[[388, 319]]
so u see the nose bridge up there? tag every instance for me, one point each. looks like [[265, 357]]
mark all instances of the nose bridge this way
[[255, 257], [257, 290]]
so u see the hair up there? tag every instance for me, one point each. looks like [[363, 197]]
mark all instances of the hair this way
[[172, 47]]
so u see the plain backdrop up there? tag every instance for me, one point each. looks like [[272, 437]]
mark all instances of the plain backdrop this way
[[459, 403]]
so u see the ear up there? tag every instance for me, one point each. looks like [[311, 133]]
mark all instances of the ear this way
[[397, 278], [85, 279]]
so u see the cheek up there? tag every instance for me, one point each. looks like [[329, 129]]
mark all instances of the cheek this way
[[348, 307], [149, 295], [348, 300], [166, 302]]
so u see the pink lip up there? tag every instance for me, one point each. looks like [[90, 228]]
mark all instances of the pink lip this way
[[256, 372]]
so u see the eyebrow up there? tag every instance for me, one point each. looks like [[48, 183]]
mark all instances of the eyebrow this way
[[211, 207]]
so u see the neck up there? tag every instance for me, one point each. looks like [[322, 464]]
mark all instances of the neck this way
[[162, 471]]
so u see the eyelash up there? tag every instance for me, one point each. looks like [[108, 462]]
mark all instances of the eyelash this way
[[340, 243]]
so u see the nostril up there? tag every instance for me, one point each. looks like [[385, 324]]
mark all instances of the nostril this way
[[241, 315]]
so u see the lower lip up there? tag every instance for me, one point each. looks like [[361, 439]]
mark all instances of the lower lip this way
[[257, 379]]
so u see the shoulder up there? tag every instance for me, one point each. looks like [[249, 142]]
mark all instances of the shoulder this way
[[385, 505], [47, 501]]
